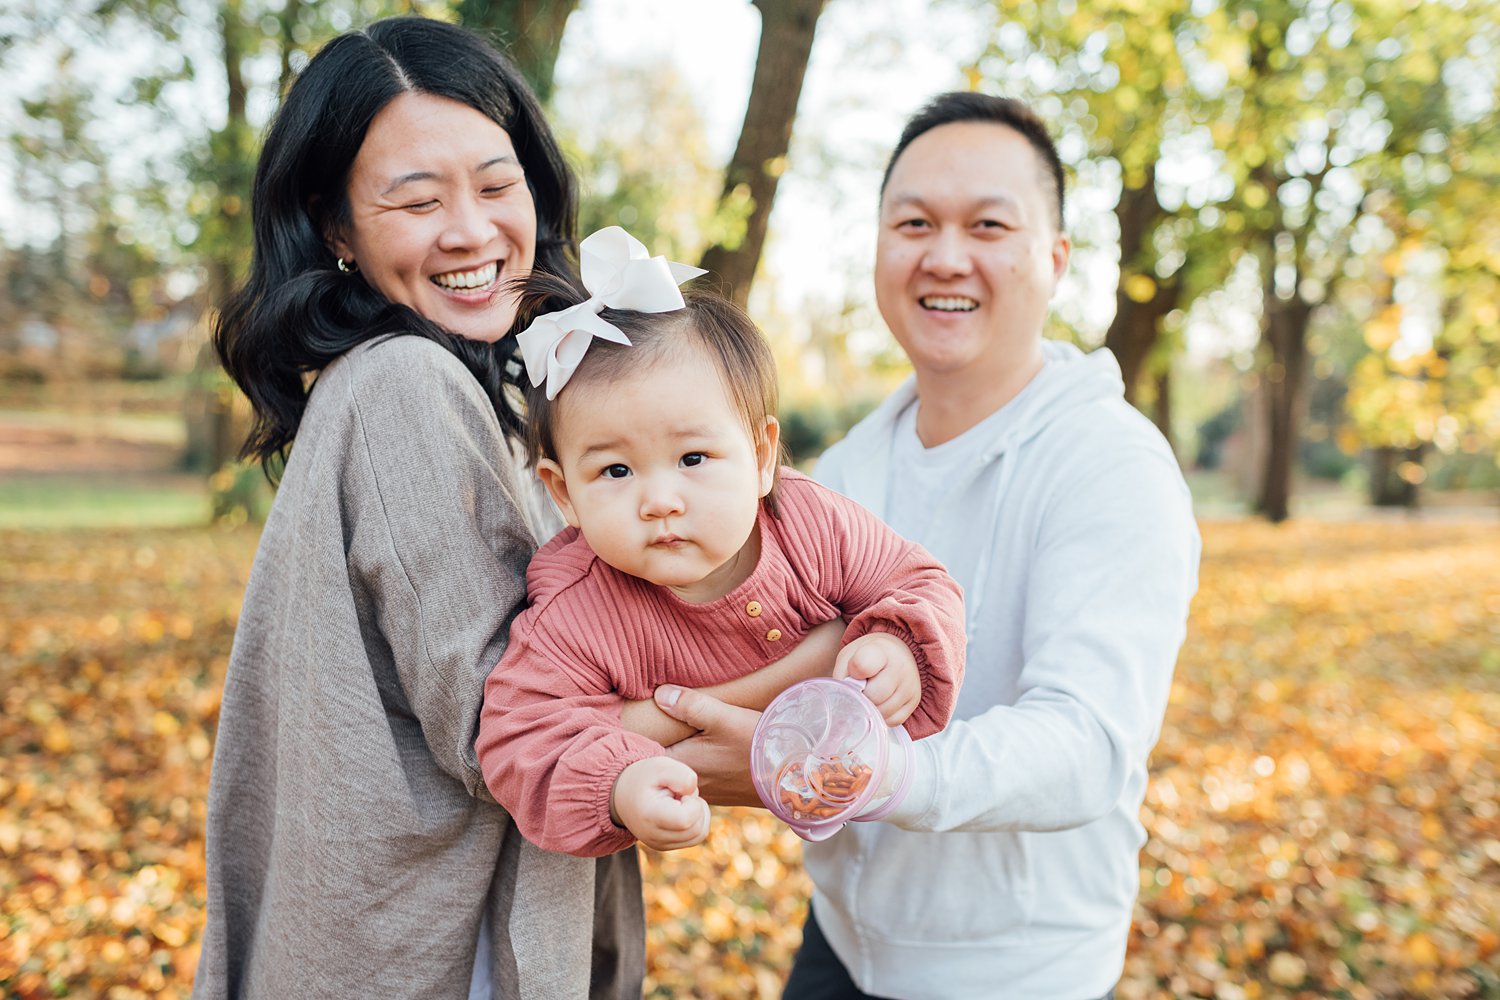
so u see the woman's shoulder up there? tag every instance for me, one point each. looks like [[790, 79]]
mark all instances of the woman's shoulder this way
[[405, 356], [387, 370]]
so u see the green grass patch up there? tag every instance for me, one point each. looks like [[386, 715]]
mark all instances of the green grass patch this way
[[165, 429], [54, 502]]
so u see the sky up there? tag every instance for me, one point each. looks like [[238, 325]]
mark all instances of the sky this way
[[873, 63]]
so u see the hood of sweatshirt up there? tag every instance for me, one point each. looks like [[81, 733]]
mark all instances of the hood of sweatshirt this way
[[1067, 381]]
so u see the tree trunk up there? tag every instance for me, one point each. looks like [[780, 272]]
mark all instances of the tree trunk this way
[[1161, 414], [786, 37], [291, 13], [530, 32], [1388, 487], [234, 184], [1137, 324], [1284, 343], [214, 431]]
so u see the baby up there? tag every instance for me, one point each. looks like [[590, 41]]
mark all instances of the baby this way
[[691, 558]]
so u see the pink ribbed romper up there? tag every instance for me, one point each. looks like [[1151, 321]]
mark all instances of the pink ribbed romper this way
[[550, 740]]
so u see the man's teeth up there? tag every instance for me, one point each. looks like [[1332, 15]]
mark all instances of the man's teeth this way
[[949, 303], [468, 279]]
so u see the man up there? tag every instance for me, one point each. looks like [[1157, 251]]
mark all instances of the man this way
[[1010, 869]]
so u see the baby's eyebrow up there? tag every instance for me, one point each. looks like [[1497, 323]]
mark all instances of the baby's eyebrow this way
[[599, 447]]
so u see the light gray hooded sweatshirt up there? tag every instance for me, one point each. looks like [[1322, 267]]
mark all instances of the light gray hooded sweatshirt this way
[[1011, 867]]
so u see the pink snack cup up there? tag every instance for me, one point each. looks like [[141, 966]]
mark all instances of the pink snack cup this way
[[821, 756]]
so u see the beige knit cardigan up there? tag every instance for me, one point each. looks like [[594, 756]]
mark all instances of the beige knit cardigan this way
[[352, 845]]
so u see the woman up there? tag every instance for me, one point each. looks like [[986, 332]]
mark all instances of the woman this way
[[353, 849]]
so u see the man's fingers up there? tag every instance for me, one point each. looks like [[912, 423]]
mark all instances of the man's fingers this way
[[699, 710]]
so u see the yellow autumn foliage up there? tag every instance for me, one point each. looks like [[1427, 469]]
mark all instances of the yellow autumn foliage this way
[[1323, 817]]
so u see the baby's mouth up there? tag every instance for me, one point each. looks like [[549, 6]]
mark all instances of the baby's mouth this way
[[467, 281]]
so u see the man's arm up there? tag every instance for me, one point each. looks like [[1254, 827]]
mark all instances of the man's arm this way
[[1106, 607], [813, 657], [720, 752]]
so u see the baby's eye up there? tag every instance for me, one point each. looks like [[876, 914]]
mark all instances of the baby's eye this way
[[616, 471], [693, 459]]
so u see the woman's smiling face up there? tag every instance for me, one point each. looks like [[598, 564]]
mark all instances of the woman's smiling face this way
[[440, 214]]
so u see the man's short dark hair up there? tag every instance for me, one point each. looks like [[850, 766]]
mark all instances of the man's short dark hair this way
[[967, 106]]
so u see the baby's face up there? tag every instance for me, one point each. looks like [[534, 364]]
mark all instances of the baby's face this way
[[662, 477]]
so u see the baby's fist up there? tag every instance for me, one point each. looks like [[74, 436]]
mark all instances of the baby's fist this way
[[889, 670], [657, 800]]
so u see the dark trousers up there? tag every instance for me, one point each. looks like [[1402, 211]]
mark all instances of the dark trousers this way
[[817, 973]]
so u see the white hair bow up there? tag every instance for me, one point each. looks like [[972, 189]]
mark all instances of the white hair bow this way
[[619, 273]]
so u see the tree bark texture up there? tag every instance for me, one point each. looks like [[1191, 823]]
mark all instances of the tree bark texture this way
[[1161, 410], [214, 431], [529, 31], [234, 183], [786, 37], [1388, 488], [1136, 328], [1284, 342]]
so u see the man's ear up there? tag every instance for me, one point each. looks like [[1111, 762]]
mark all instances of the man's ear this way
[[551, 475], [768, 453], [1061, 248]]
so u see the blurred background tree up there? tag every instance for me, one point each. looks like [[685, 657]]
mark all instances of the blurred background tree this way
[[1290, 200], [1289, 137]]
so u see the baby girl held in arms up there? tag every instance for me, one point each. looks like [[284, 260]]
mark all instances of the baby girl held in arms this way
[[692, 557]]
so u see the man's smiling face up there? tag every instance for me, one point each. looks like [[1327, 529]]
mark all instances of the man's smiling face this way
[[969, 252]]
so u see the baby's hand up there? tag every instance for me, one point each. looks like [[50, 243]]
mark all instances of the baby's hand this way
[[889, 670], [657, 800]]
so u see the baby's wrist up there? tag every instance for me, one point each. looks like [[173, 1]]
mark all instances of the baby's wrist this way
[[620, 791]]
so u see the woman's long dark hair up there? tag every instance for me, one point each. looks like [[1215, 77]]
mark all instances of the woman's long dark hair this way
[[296, 313]]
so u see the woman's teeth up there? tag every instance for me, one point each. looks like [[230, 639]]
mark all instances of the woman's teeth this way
[[468, 279], [949, 303]]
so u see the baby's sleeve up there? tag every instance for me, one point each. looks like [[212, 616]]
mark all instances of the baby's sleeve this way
[[550, 742]]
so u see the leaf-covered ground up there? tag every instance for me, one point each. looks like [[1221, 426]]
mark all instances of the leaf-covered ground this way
[[1323, 812]]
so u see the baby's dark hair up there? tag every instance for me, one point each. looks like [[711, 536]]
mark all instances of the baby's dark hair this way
[[721, 330]]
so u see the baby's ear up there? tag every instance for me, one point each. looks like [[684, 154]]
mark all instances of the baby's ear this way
[[768, 453], [551, 475]]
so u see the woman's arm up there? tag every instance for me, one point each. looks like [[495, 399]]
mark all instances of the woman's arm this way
[[439, 577], [813, 657]]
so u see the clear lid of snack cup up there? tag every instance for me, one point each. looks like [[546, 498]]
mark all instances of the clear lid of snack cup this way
[[822, 756]]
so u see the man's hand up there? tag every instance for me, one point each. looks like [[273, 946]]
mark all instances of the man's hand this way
[[813, 657], [720, 753], [889, 670], [657, 800]]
